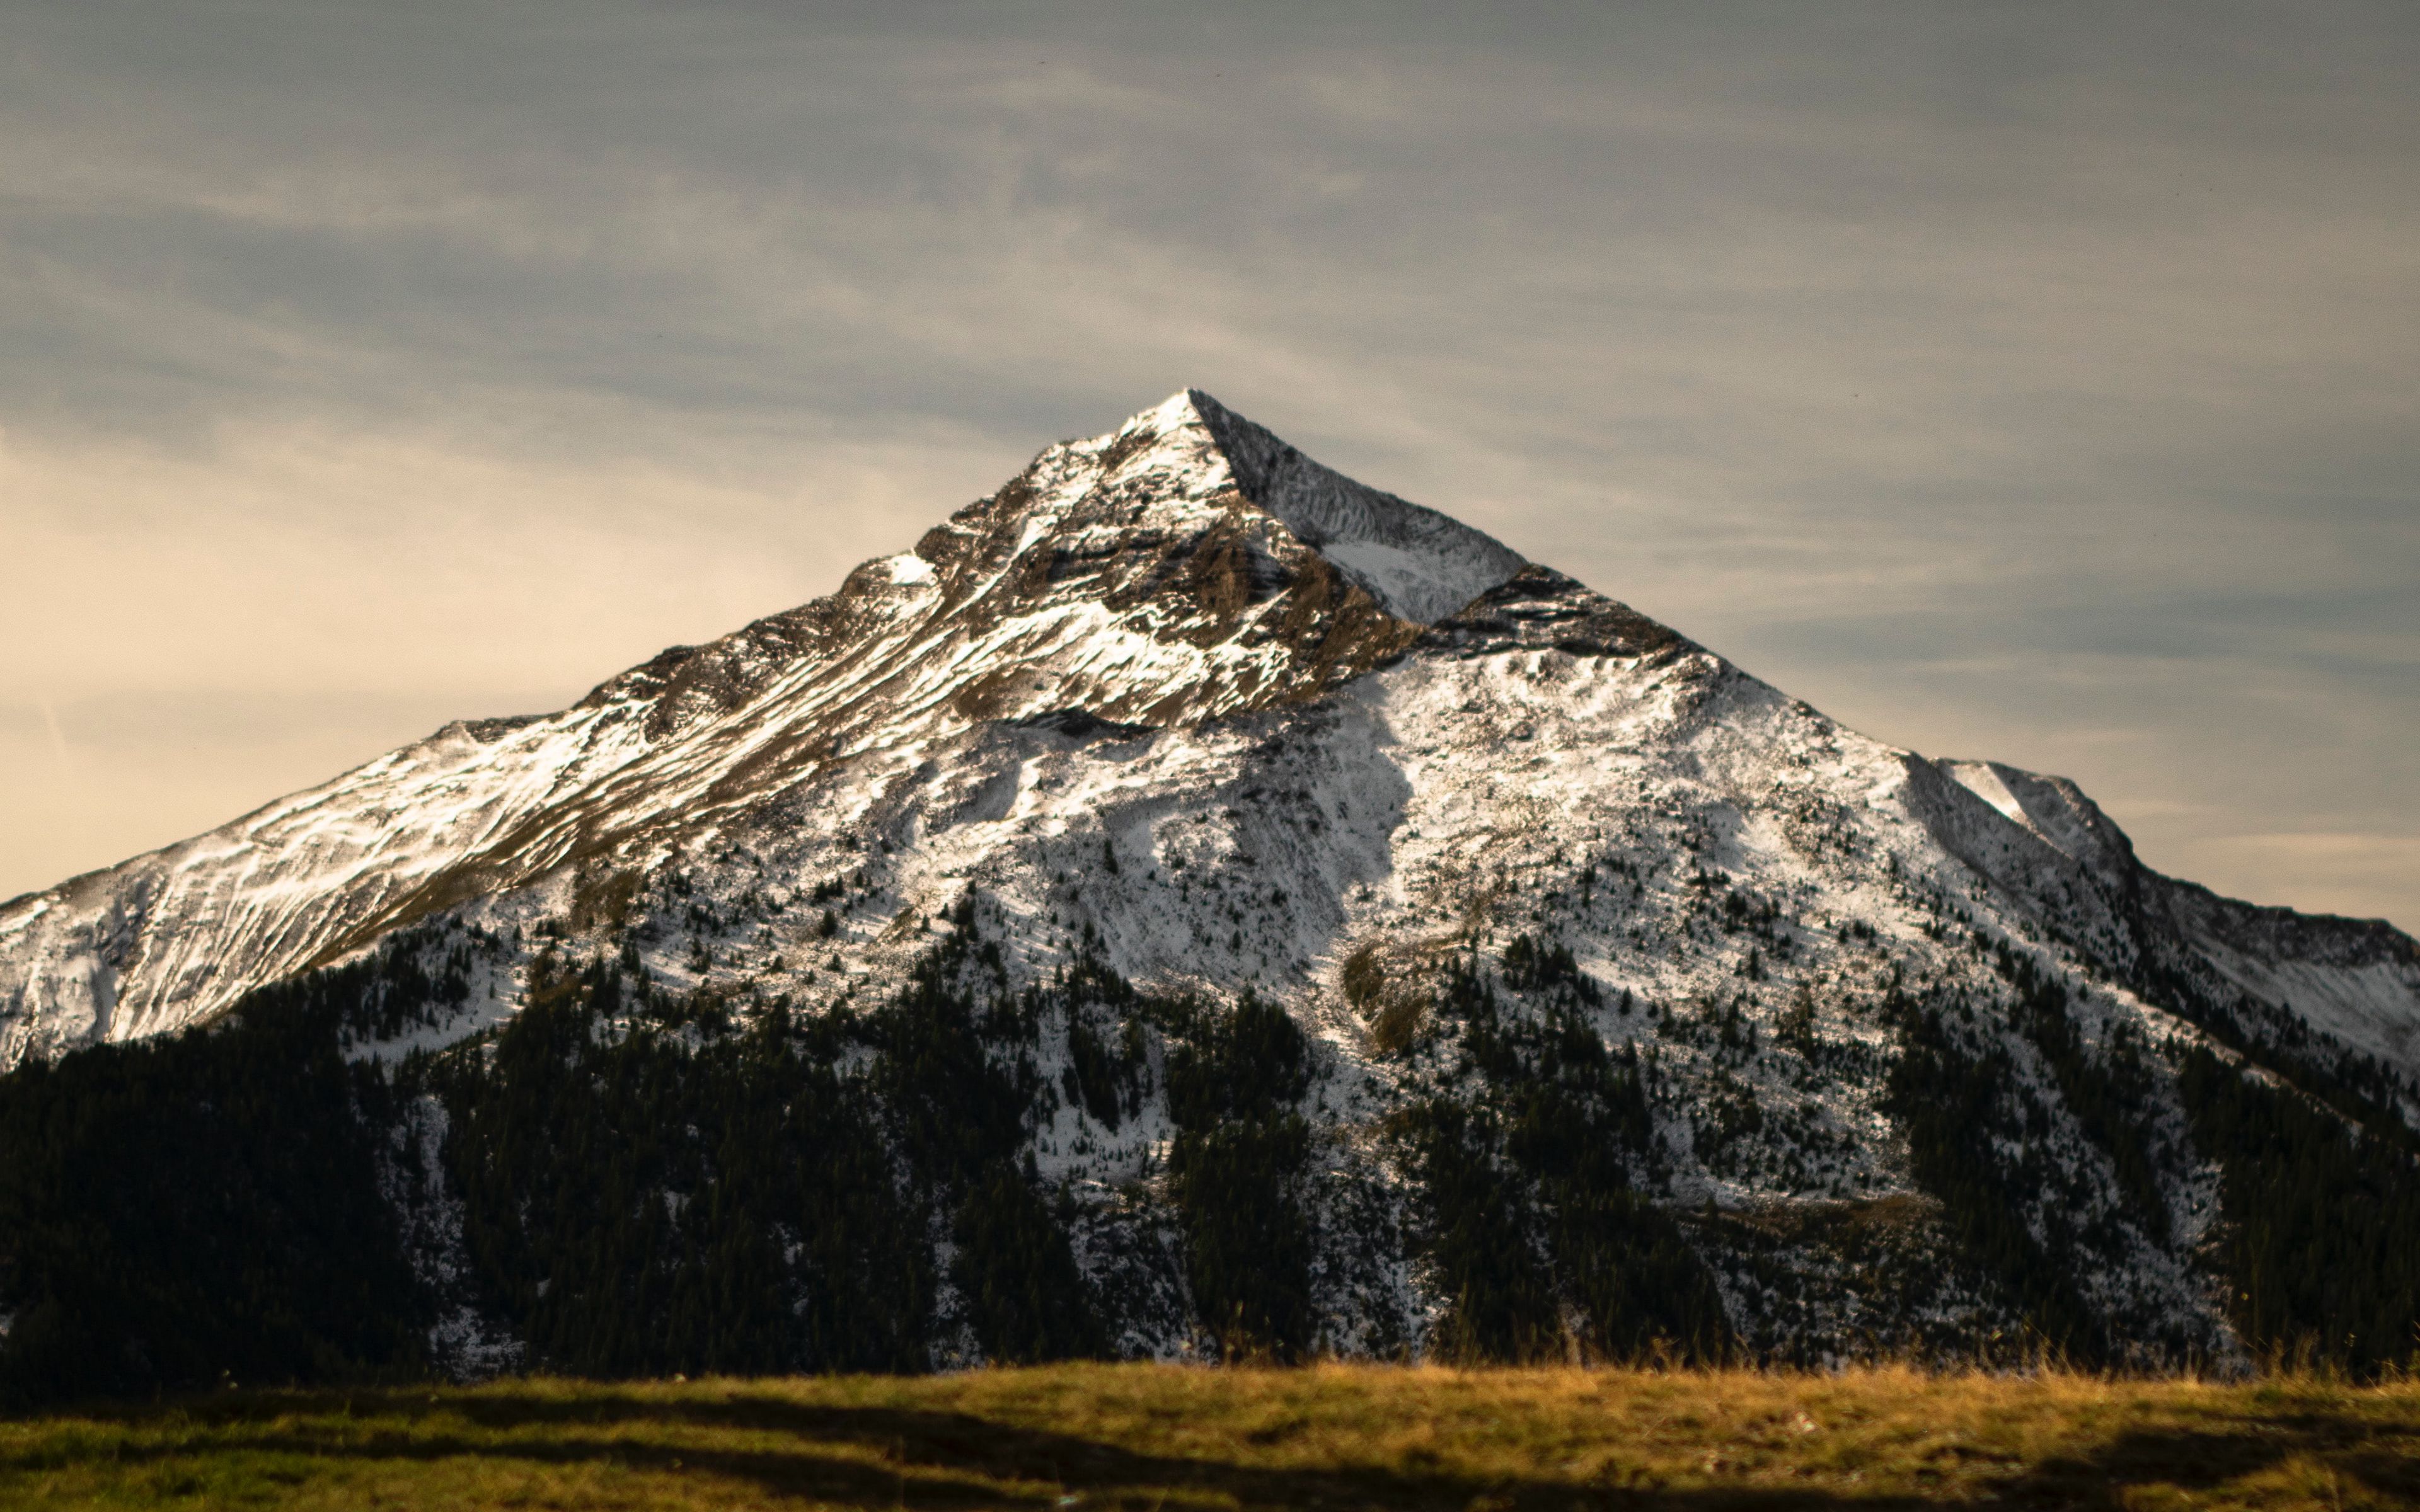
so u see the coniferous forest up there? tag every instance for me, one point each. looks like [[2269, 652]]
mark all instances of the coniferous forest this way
[[624, 1179]]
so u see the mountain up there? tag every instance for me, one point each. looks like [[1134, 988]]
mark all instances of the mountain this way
[[1187, 567], [1196, 905]]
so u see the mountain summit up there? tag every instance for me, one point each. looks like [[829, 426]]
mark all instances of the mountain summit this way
[[1193, 903]]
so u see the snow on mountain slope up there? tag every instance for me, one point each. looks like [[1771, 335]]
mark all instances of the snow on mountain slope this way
[[1179, 701], [1749, 887], [2356, 982], [1185, 566], [1146, 575]]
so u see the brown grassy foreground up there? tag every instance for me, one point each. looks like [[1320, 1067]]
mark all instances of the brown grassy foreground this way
[[1145, 1437]]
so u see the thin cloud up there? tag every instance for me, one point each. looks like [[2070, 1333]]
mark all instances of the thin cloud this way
[[1988, 375]]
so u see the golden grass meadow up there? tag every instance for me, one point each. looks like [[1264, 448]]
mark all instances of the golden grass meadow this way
[[1171, 1437]]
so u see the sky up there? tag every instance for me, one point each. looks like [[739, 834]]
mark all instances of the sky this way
[[2034, 382]]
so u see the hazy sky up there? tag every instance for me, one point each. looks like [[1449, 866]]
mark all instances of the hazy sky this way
[[2028, 382]]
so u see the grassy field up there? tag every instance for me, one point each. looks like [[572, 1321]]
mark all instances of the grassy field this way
[[1145, 1437]]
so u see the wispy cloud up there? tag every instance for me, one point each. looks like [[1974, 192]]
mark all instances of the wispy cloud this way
[[59, 742], [1990, 375]]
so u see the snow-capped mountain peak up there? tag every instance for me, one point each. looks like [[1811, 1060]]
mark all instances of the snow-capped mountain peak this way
[[1184, 566], [1188, 461]]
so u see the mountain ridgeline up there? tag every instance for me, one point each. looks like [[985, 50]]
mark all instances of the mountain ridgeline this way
[[1192, 906]]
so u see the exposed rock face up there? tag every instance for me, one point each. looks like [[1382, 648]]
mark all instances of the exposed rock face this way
[[1181, 705]]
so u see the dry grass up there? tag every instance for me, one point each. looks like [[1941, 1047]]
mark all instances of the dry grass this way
[[1145, 1437]]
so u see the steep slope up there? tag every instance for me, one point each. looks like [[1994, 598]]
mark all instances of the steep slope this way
[[2342, 987], [1194, 904]]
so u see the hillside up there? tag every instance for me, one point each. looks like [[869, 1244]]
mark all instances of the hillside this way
[[1195, 906]]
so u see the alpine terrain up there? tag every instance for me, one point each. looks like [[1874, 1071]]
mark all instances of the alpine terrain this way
[[1191, 905]]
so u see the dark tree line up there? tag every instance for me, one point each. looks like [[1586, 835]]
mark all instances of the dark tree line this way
[[1524, 1141], [2322, 1239], [1963, 1108], [1234, 1085], [651, 1181], [205, 1207]]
